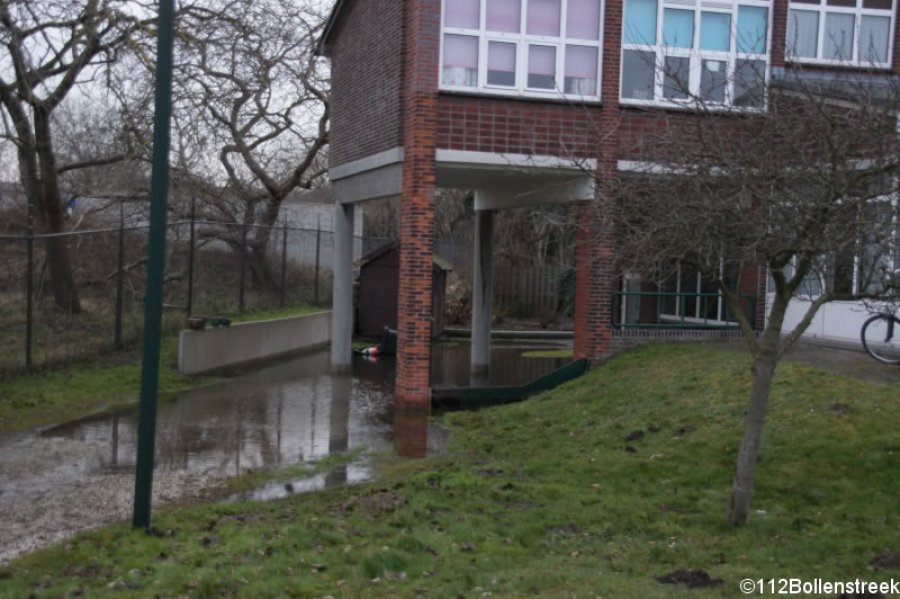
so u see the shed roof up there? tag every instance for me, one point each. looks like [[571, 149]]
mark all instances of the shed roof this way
[[380, 251]]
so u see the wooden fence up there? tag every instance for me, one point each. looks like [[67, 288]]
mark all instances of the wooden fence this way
[[523, 292]]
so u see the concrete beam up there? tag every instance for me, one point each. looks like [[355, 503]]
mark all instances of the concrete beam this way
[[482, 291], [342, 286], [538, 192], [383, 182]]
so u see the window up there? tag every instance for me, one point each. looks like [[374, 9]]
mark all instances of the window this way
[[537, 48], [856, 32], [680, 51], [688, 297]]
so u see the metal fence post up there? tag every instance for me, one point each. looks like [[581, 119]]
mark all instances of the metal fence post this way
[[318, 252], [284, 235], [243, 275], [29, 291], [190, 282], [120, 277]]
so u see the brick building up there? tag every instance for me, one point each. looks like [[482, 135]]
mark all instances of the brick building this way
[[534, 101]]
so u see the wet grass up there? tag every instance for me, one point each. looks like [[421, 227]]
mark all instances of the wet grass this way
[[549, 353], [102, 383], [547, 499]]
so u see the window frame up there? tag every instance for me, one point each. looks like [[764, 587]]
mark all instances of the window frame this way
[[523, 41], [696, 56], [822, 9]]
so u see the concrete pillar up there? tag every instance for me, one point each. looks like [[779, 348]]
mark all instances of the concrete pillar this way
[[482, 291], [342, 287]]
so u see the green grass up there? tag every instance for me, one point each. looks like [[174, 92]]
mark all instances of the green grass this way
[[102, 383], [541, 499], [549, 353]]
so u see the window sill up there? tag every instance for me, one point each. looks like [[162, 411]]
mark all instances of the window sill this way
[[555, 98], [838, 65], [684, 107]]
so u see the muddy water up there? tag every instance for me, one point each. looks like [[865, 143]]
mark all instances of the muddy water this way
[[80, 475]]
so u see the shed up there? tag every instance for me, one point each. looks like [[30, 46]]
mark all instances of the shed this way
[[376, 306]]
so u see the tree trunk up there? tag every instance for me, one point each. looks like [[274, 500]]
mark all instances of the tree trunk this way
[[50, 210], [745, 471]]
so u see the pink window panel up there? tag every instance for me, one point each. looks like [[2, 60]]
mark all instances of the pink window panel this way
[[583, 20], [462, 13], [581, 70], [461, 51], [502, 57], [543, 17], [581, 62], [542, 60], [504, 15]]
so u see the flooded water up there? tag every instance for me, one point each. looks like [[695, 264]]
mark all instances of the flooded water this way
[[80, 475]]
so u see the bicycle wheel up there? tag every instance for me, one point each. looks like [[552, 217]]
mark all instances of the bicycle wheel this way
[[881, 338]]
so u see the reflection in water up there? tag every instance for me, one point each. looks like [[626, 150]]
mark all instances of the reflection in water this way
[[285, 414]]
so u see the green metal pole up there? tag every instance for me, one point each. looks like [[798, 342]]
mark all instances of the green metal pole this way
[[156, 263]]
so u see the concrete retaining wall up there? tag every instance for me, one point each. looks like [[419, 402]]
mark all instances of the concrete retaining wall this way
[[215, 349]]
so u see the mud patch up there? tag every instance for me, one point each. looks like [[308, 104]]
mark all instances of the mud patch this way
[[887, 561], [692, 579]]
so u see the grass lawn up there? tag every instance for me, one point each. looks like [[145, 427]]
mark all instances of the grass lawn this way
[[547, 499], [104, 382]]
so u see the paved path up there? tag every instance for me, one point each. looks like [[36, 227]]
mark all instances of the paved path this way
[[849, 362]]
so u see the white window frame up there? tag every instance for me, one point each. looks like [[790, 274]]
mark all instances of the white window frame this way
[[822, 9], [522, 41], [697, 56]]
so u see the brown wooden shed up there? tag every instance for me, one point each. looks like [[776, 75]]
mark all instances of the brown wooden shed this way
[[376, 298]]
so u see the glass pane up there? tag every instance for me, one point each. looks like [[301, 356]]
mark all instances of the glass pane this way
[[848, 3], [543, 17], [638, 68], [640, 22], [460, 60], [583, 20], [462, 13], [581, 70], [874, 33], [803, 33], [749, 82], [715, 31], [542, 67], [504, 15], [678, 28], [713, 79], [838, 42], [752, 27], [677, 78], [880, 4], [501, 64]]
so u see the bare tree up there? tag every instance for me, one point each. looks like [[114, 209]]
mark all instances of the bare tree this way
[[251, 88], [803, 187], [48, 49]]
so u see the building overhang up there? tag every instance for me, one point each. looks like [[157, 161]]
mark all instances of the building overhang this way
[[505, 181], [323, 47]]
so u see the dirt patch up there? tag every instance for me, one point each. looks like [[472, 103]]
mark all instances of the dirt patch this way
[[692, 579], [887, 561]]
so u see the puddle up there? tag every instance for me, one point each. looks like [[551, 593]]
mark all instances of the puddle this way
[[80, 475]]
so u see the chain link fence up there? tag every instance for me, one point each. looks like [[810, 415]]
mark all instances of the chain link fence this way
[[212, 269]]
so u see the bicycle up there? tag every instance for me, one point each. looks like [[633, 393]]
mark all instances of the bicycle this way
[[881, 337]]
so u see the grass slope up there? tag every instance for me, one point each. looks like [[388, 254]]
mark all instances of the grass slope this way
[[542, 499]]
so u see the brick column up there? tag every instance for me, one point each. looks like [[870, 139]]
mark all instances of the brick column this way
[[595, 282], [417, 205]]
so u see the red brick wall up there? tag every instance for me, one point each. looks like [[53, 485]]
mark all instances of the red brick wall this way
[[367, 80], [485, 124], [417, 207]]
